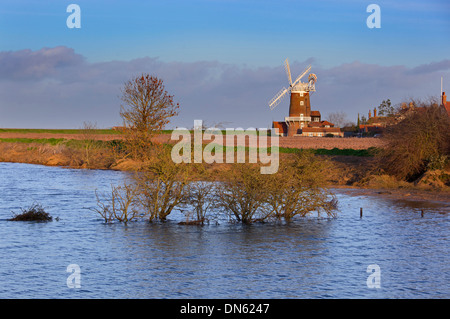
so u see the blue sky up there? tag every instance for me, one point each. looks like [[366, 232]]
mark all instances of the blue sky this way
[[225, 40]]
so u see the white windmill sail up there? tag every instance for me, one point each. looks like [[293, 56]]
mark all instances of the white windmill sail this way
[[278, 97], [293, 86], [288, 71]]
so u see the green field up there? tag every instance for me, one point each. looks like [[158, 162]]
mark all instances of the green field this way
[[105, 131], [79, 143], [57, 131]]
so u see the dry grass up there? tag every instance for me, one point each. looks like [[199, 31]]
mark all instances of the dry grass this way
[[416, 142], [56, 155]]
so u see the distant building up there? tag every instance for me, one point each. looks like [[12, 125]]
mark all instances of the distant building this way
[[374, 124], [369, 128], [321, 131], [444, 103]]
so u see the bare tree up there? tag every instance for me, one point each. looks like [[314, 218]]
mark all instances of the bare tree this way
[[147, 109], [89, 141], [121, 205], [338, 118]]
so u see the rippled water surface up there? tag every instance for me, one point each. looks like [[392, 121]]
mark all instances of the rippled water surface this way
[[309, 258]]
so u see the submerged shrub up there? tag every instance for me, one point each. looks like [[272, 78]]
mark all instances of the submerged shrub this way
[[120, 205], [155, 191], [201, 198], [297, 189], [242, 194], [34, 213], [162, 185]]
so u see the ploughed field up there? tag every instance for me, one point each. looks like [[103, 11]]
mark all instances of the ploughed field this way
[[285, 142]]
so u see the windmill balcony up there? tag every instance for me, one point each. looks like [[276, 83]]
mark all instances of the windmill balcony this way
[[297, 119]]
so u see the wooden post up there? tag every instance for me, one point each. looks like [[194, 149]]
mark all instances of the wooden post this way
[[422, 213], [360, 212]]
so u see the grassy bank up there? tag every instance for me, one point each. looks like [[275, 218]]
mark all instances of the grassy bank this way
[[50, 141], [100, 154], [335, 151], [60, 141], [347, 167], [99, 143]]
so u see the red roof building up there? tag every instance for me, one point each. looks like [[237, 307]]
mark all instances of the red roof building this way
[[327, 124], [281, 127], [376, 128]]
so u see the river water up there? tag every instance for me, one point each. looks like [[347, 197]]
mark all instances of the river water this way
[[308, 258]]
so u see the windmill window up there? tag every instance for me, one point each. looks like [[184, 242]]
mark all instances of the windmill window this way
[[301, 103]]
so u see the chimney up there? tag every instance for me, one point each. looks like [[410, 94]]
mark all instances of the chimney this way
[[374, 112], [444, 99]]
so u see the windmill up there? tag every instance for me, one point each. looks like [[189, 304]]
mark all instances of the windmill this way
[[299, 106], [295, 86]]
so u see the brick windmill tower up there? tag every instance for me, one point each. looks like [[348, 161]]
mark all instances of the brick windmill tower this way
[[300, 106]]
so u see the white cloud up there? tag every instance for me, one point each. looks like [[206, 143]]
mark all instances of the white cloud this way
[[57, 88]]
